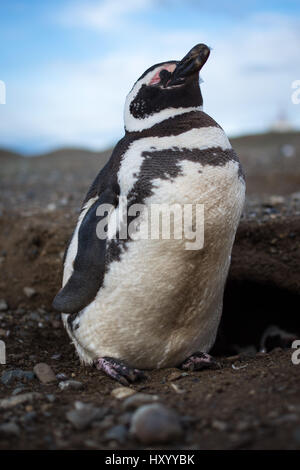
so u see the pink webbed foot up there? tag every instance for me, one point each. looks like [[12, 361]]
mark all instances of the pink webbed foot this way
[[118, 371], [199, 360]]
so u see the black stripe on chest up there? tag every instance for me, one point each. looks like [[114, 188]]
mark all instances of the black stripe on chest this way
[[165, 164]]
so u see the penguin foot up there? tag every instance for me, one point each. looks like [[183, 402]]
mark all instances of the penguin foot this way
[[117, 370], [199, 360]]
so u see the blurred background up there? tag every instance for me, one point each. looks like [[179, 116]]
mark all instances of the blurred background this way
[[68, 65]]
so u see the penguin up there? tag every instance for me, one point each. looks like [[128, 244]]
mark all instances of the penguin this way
[[134, 303]]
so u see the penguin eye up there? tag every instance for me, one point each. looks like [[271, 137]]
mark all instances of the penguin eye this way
[[165, 76], [162, 76]]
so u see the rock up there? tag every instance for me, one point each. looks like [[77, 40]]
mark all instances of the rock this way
[[104, 424], [3, 305], [122, 392], [155, 424], [117, 433], [61, 376], [29, 292], [70, 384], [9, 429], [17, 390], [44, 373], [219, 425], [276, 200], [9, 375], [28, 417], [174, 376], [50, 397], [137, 400], [10, 402], [56, 357], [84, 414], [51, 207]]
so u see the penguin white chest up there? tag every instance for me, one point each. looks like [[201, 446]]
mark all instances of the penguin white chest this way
[[161, 301]]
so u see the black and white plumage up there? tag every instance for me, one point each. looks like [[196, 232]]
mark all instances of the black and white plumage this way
[[152, 303]]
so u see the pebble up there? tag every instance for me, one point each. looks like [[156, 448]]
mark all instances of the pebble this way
[[56, 357], [29, 292], [155, 424], [219, 425], [50, 397], [10, 402], [29, 417], [122, 392], [104, 424], [118, 433], [70, 384], [84, 414], [3, 305], [44, 373], [10, 375], [18, 390], [9, 429], [137, 400], [174, 376], [61, 376]]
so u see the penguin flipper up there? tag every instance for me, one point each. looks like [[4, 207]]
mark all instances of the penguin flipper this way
[[89, 264]]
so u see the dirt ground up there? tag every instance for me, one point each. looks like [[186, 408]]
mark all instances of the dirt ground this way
[[251, 401]]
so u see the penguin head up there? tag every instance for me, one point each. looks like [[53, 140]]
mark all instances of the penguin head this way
[[166, 90]]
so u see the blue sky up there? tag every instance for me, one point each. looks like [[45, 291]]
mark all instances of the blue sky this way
[[68, 65]]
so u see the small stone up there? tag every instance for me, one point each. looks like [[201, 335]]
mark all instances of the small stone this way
[[155, 424], [17, 390], [9, 429], [174, 376], [56, 324], [219, 425], [7, 403], [84, 414], [104, 424], [10, 375], [122, 392], [177, 389], [70, 384], [276, 200], [50, 397], [3, 305], [117, 433], [28, 417], [56, 357], [137, 400], [61, 376], [51, 207], [44, 373], [29, 292]]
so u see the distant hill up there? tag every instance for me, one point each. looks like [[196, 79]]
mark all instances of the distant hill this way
[[271, 163]]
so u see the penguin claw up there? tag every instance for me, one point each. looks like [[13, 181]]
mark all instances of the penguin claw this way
[[199, 360], [118, 371]]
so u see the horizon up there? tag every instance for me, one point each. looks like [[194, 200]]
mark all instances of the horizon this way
[[68, 65]]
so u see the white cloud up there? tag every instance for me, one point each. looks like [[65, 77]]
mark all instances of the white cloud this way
[[102, 16], [246, 81]]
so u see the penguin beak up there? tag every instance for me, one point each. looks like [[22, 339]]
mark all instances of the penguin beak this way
[[191, 63]]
